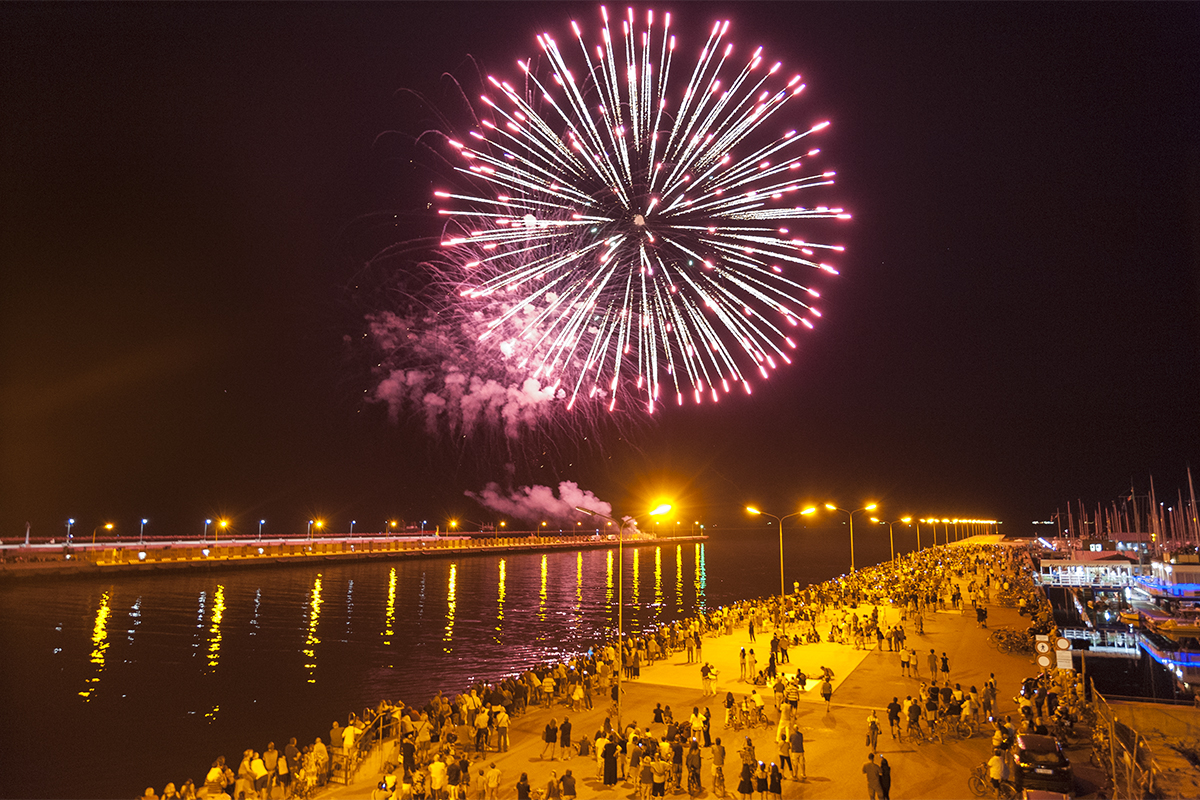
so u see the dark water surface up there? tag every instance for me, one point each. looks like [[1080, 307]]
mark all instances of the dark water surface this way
[[109, 686]]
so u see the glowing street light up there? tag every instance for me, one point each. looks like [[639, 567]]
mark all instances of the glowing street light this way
[[351, 527], [779, 520], [204, 537], [622, 524], [221, 525], [261, 522], [108, 526], [70, 522], [850, 514], [141, 532]]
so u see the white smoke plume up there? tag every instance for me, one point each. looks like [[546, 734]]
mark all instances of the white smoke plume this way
[[537, 503]]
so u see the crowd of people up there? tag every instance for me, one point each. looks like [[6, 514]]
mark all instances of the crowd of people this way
[[443, 748]]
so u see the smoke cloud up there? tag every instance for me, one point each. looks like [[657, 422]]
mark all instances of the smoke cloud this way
[[537, 503]]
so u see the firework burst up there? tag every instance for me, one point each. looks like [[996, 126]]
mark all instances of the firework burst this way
[[627, 230]]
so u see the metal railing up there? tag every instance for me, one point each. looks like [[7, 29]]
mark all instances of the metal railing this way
[[1123, 752]]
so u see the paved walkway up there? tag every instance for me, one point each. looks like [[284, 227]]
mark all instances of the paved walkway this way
[[866, 679]]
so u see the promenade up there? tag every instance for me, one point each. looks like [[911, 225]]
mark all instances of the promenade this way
[[834, 741], [82, 558]]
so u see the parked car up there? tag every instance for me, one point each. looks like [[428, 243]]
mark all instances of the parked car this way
[[1039, 763]]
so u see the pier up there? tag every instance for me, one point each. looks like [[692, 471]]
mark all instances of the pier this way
[[47, 560]]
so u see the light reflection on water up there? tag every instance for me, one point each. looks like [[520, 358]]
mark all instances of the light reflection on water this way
[[99, 646], [451, 608], [311, 641], [223, 660]]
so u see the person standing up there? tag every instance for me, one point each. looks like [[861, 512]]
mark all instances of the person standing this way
[[750, 628], [871, 770], [742, 663], [609, 755], [491, 781], [945, 669], [502, 721], [796, 740], [550, 738], [904, 660], [932, 661], [271, 762], [827, 692], [885, 778], [997, 768], [785, 752], [567, 782], [564, 738]]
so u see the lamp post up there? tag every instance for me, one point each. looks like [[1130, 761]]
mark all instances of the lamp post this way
[[779, 521], [204, 536], [221, 525], [891, 536], [142, 531], [108, 526], [70, 522], [261, 522], [919, 533], [660, 510], [351, 527], [850, 515]]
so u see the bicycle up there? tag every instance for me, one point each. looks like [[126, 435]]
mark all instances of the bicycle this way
[[915, 734], [981, 785], [955, 727]]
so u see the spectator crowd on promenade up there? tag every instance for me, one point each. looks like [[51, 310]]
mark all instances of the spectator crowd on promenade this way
[[444, 748]]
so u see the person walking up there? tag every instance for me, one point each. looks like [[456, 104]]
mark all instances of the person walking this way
[[827, 692], [873, 732], [885, 778], [932, 661], [893, 712], [945, 668], [871, 770], [550, 737], [904, 661]]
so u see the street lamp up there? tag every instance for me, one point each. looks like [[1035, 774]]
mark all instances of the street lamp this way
[[204, 537], [70, 522], [351, 527], [108, 526], [779, 520], [627, 521], [141, 531], [891, 537], [261, 522], [221, 525], [850, 514]]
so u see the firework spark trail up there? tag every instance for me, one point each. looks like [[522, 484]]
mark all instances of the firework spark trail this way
[[625, 233]]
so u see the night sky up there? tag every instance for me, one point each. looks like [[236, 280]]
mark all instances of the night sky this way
[[189, 192]]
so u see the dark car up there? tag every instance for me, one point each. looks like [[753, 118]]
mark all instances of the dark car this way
[[1039, 763]]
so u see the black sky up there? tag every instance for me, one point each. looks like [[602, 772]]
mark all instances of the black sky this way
[[1017, 323]]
